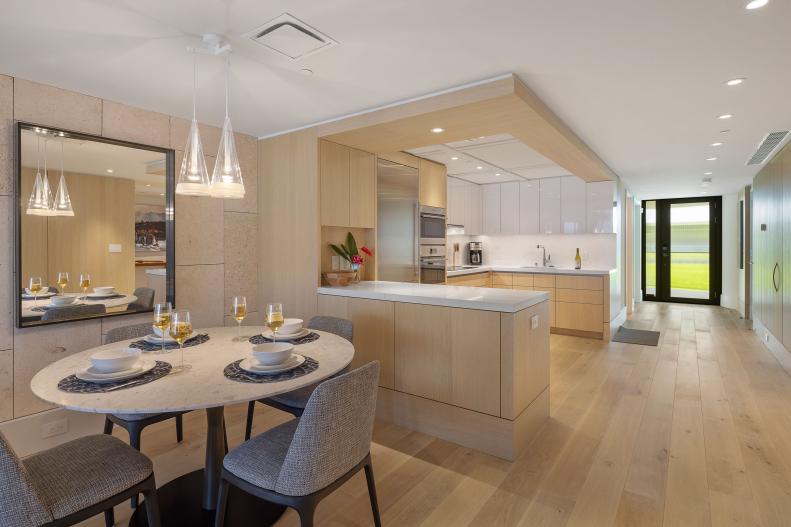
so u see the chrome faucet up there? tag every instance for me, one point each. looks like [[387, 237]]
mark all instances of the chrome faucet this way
[[544, 259]]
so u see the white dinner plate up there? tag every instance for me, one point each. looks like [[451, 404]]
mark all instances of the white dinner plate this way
[[282, 336], [253, 366], [48, 294], [153, 339], [91, 374], [102, 295]]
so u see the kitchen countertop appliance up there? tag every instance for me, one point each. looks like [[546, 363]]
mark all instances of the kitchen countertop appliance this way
[[475, 253]]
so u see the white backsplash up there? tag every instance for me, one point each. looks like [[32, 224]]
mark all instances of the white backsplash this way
[[598, 251]]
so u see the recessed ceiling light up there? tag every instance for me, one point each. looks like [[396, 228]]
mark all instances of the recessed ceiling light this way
[[725, 116], [735, 82], [438, 130], [482, 137], [724, 131], [498, 174], [479, 168], [454, 158], [161, 194], [707, 173], [756, 4], [718, 143], [711, 159], [148, 185], [307, 72], [109, 170], [703, 192]]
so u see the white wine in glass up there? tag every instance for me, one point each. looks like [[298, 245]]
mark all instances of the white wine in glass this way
[[35, 286], [180, 330], [239, 312], [274, 318], [63, 281], [85, 283], [162, 313]]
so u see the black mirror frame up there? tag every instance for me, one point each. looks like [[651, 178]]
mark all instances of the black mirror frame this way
[[170, 221]]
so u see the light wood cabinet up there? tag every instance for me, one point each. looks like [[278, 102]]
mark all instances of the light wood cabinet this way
[[786, 274], [579, 317], [502, 280], [362, 189], [579, 282], [433, 184], [470, 280], [573, 194], [348, 186], [509, 208], [490, 205]]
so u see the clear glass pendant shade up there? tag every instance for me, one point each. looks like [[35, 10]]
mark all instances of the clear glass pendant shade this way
[[62, 204], [40, 202], [226, 180], [193, 176]]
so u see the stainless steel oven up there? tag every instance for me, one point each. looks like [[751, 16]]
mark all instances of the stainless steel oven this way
[[432, 226], [432, 264]]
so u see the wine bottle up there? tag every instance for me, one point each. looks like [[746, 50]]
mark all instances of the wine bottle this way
[[578, 260]]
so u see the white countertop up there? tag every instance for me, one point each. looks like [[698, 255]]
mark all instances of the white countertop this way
[[485, 299], [534, 270]]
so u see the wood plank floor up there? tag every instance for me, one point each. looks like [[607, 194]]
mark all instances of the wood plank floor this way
[[694, 432]]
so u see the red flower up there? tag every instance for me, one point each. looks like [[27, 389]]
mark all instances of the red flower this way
[[357, 259], [366, 250]]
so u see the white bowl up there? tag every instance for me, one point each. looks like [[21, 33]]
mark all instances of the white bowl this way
[[104, 290], [291, 326], [62, 300], [271, 353], [159, 333], [116, 359]]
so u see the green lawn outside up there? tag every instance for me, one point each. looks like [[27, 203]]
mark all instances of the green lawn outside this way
[[687, 271]]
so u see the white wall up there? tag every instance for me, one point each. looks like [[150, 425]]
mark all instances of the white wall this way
[[730, 251]]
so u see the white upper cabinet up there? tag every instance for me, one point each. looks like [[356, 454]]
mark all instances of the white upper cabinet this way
[[601, 195], [573, 195], [509, 208], [473, 219], [490, 201], [549, 192], [456, 201], [529, 216]]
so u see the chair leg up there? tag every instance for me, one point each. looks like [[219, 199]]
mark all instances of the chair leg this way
[[152, 506], [248, 430], [306, 510], [109, 517], [179, 429], [222, 502], [108, 426], [369, 477], [134, 440]]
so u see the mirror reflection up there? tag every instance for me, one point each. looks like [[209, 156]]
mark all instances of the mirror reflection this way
[[93, 229]]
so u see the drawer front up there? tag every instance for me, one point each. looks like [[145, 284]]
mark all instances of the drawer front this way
[[593, 283], [579, 296], [550, 291], [502, 279], [501, 287], [543, 281], [580, 317], [470, 280], [523, 280]]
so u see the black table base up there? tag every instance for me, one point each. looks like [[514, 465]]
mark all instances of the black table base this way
[[180, 506]]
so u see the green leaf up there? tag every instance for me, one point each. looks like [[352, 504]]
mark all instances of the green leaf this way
[[340, 252], [352, 244]]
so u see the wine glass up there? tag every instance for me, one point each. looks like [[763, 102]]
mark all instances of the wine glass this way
[[35, 287], [63, 281], [180, 329], [274, 318], [238, 312], [162, 313], [85, 283]]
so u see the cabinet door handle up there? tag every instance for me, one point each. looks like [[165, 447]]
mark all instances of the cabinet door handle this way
[[774, 274]]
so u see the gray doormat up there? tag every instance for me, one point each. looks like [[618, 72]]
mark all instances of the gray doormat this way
[[636, 336]]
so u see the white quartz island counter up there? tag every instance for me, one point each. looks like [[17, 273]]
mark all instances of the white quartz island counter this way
[[531, 270], [501, 300], [467, 364]]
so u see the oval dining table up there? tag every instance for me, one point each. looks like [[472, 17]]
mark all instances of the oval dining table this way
[[191, 499]]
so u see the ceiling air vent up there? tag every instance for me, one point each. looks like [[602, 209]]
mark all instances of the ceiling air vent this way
[[291, 37], [767, 146]]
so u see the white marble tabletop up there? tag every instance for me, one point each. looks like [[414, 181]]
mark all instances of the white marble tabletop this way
[[202, 386], [110, 303]]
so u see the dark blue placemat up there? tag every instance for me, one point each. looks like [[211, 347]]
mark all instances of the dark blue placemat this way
[[72, 384], [149, 346], [310, 337], [235, 373]]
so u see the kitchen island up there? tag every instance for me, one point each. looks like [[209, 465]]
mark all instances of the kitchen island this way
[[465, 364]]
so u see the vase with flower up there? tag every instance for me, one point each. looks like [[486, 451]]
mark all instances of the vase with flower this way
[[350, 253]]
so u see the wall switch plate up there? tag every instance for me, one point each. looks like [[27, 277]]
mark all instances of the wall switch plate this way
[[54, 428], [115, 248], [534, 322]]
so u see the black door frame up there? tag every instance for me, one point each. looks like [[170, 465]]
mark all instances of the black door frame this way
[[663, 239]]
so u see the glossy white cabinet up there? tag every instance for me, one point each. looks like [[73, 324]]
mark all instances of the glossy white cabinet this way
[[509, 208], [473, 214], [549, 205], [490, 202], [600, 198], [573, 217], [529, 217], [457, 201]]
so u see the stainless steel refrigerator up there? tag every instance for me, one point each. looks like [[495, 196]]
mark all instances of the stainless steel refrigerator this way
[[397, 257]]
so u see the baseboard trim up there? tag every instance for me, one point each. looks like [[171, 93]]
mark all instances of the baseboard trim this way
[[776, 347]]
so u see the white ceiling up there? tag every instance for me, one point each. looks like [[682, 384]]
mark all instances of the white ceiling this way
[[639, 82], [491, 159]]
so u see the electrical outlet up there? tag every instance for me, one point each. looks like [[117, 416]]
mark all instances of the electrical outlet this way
[[766, 337], [54, 428], [114, 248], [534, 322]]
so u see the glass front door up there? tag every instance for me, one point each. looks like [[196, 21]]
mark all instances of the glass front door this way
[[681, 250]]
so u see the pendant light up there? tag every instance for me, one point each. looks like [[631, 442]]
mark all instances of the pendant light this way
[[193, 176], [40, 202], [62, 204], [226, 180]]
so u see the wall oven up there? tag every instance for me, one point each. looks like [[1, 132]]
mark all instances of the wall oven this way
[[432, 226], [432, 264]]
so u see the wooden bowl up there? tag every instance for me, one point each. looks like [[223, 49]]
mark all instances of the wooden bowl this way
[[340, 278]]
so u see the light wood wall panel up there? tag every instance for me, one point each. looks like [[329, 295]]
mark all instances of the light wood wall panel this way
[[334, 174], [362, 189]]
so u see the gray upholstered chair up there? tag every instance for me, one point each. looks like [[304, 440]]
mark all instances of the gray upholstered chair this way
[[72, 482], [303, 460], [145, 299], [72, 312], [294, 402], [135, 423]]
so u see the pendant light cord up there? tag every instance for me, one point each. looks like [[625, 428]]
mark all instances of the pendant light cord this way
[[38, 154], [227, 80], [61, 159], [194, 84]]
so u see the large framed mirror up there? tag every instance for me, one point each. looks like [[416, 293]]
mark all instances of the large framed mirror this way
[[94, 226]]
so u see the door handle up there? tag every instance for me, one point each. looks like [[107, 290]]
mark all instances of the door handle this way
[[774, 273]]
